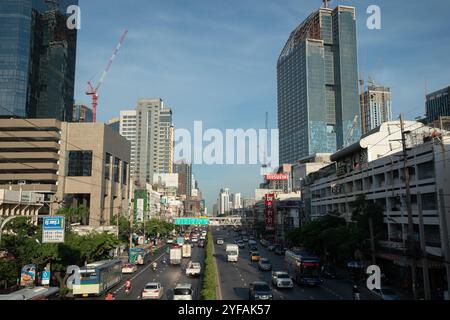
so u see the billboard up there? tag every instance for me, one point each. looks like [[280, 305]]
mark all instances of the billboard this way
[[28, 275], [270, 212], [53, 229], [140, 204], [277, 177]]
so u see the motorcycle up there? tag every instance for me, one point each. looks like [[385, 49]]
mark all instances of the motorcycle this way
[[154, 266], [128, 291]]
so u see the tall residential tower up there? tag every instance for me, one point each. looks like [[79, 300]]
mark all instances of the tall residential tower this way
[[377, 106]]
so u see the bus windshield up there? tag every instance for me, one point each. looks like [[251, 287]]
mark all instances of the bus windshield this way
[[88, 275]]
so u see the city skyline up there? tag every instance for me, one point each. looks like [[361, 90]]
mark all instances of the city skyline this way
[[246, 60]]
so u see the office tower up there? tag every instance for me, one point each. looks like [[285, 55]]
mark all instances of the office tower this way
[[114, 124], [166, 146], [128, 129], [318, 98], [377, 106], [184, 171], [82, 113], [438, 104], [37, 64], [224, 201], [154, 148], [237, 201]]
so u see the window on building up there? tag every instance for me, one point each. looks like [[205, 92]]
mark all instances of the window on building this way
[[80, 164], [124, 172], [107, 166], [116, 169]]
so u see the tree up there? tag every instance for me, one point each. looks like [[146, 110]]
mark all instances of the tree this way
[[368, 216]]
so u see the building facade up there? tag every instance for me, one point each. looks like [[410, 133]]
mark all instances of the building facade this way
[[128, 130], [38, 54], [318, 104], [94, 171], [184, 171], [438, 104], [377, 106], [114, 124], [360, 170]]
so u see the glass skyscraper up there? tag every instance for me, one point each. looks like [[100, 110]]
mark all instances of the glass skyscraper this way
[[318, 98], [37, 59]]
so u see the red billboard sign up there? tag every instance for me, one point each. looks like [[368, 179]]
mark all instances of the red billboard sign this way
[[277, 177], [270, 212]]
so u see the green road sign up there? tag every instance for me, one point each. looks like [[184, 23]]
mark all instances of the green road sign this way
[[192, 221]]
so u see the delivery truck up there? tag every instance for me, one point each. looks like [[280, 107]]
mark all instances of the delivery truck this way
[[175, 256]]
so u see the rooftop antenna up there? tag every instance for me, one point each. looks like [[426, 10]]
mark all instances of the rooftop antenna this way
[[325, 3]]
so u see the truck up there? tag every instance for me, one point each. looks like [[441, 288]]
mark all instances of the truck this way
[[187, 250], [193, 269], [175, 256], [232, 251]]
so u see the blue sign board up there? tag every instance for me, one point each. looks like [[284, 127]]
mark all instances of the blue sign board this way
[[54, 223], [192, 221], [53, 229], [45, 278]]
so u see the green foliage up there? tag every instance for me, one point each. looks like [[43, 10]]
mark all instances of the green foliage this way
[[210, 276], [24, 245], [79, 214], [9, 271]]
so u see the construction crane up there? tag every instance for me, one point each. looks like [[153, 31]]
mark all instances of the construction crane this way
[[93, 91], [363, 107]]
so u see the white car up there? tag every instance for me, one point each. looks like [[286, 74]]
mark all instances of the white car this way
[[129, 268], [194, 269], [281, 279], [194, 240], [220, 241], [152, 291], [169, 241], [183, 292]]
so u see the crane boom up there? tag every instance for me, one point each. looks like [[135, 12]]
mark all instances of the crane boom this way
[[111, 60], [93, 91]]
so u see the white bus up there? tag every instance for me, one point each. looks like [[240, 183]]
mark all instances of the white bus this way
[[98, 277]]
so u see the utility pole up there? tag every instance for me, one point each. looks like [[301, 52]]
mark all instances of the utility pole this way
[[131, 225], [426, 275], [410, 242]]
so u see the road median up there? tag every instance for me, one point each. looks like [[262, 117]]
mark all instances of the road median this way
[[211, 290]]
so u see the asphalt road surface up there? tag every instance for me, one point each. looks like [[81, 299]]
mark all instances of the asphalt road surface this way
[[236, 277]]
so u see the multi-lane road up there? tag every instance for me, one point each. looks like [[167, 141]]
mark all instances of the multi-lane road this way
[[169, 276], [235, 278]]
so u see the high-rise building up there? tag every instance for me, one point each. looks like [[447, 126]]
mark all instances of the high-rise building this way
[[223, 204], [154, 148], [438, 104], [38, 53], [128, 129], [166, 145], [318, 104], [149, 128], [377, 106], [184, 171], [82, 113], [237, 201]]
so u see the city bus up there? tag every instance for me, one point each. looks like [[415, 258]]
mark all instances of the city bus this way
[[98, 277], [303, 267]]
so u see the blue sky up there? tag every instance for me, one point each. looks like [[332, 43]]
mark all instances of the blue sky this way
[[215, 61]]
